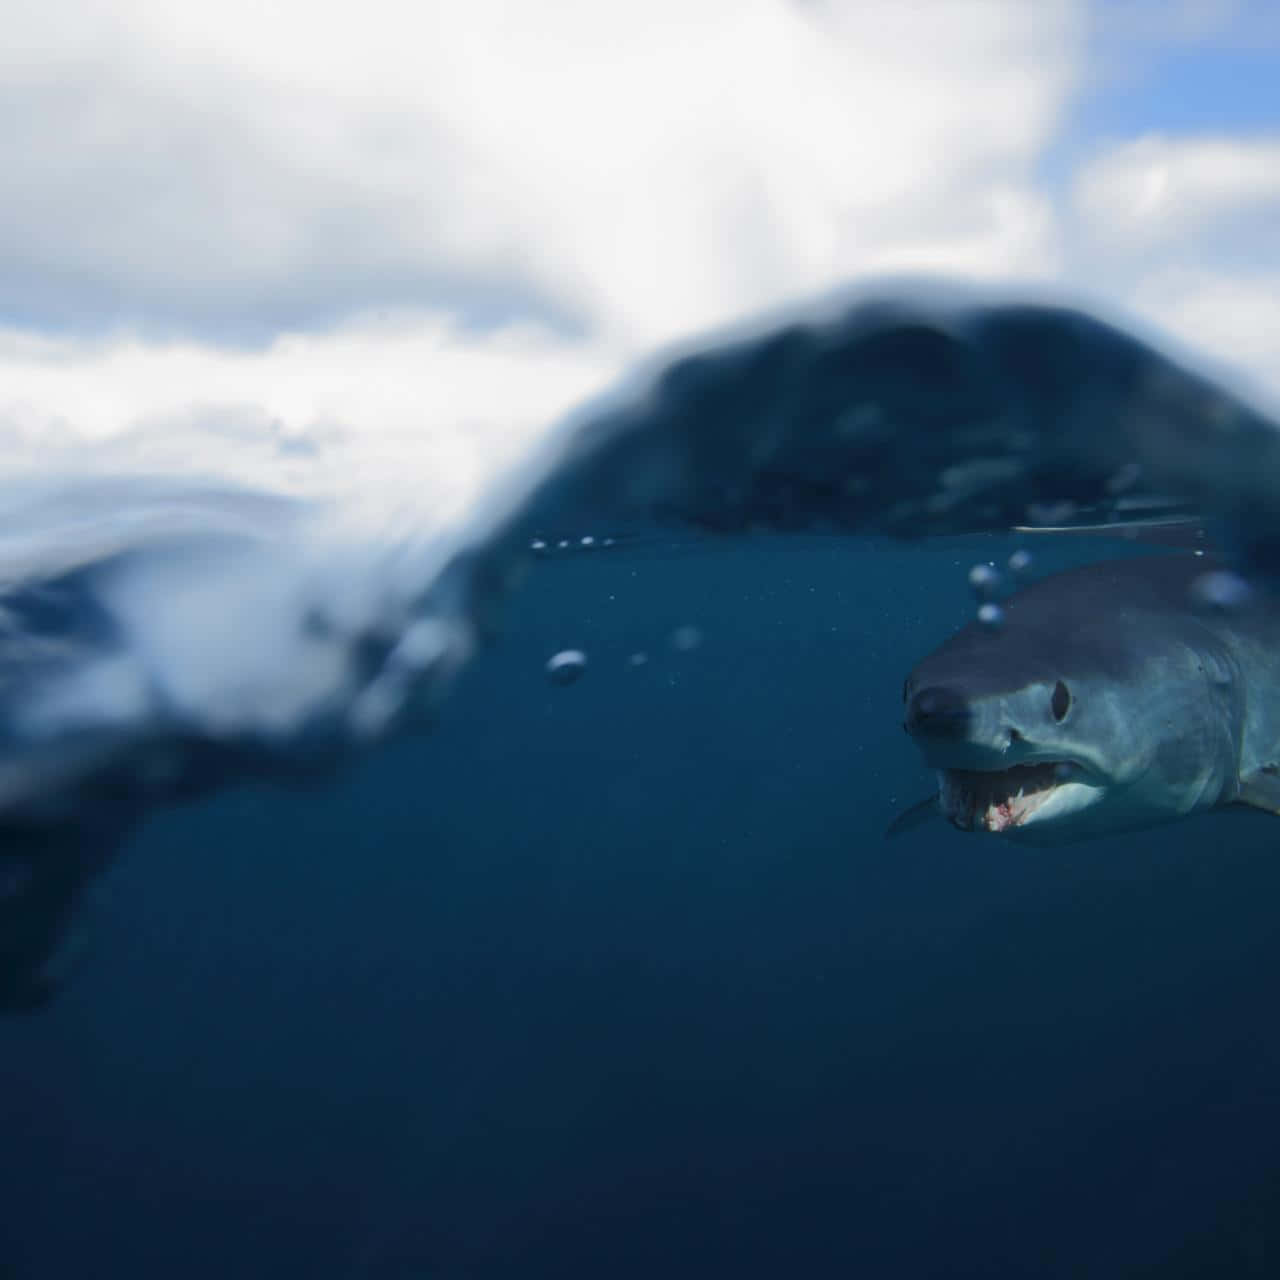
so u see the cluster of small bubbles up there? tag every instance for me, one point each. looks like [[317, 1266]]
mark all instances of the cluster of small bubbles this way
[[542, 547], [984, 581], [566, 666], [686, 638], [988, 584], [991, 615], [569, 665], [1221, 591]]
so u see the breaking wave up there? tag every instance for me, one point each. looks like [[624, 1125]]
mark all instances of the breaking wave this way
[[160, 640]]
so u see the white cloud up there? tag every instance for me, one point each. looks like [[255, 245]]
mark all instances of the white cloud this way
[[401, 408], [642, 168], [1232, 317], [208, 206], [1186, 230], [1157, 188]]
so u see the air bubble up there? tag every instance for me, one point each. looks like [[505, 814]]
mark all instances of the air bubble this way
[[538, 547], [638, 659], [984, 581], [1020, 563], [991, 616], [566, 666]]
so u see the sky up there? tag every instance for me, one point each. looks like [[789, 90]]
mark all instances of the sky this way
[[376, 248]]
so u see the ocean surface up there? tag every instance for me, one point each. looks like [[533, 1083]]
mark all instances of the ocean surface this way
[[339, 939]]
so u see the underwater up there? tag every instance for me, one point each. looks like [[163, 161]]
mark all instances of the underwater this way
[[516, 901]]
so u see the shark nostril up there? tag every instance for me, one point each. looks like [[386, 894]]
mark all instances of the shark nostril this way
[[938, 711]]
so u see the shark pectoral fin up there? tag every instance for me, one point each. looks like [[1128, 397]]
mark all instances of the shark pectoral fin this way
[[916, 816], [1261, 789]]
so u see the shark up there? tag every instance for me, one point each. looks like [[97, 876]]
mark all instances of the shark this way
[[1109, 698]]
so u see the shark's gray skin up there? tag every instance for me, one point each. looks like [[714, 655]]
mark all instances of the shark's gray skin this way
[[1111, 697]]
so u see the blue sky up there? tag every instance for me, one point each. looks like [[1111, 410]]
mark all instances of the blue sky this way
[[1220, 75], [1219, 86]]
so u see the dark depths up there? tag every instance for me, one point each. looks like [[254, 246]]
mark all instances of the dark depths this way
[[621, 979]]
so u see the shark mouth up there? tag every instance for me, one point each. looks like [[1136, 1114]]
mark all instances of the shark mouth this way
[[998, 800]]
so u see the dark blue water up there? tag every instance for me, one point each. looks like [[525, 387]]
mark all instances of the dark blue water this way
[[621, 979]]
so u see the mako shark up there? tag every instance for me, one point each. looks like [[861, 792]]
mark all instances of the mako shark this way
[[1111, 697]]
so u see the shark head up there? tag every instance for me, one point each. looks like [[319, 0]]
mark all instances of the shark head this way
[[1102, 703]]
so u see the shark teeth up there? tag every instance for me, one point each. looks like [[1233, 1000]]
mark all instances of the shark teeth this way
[[997, 800]]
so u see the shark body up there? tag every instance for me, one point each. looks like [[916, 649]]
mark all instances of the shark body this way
[[1110, 698]]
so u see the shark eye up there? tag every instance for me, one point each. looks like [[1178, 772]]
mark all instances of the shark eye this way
[[1060, 703]]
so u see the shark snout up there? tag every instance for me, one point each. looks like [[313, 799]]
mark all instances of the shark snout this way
[[938, 712]]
